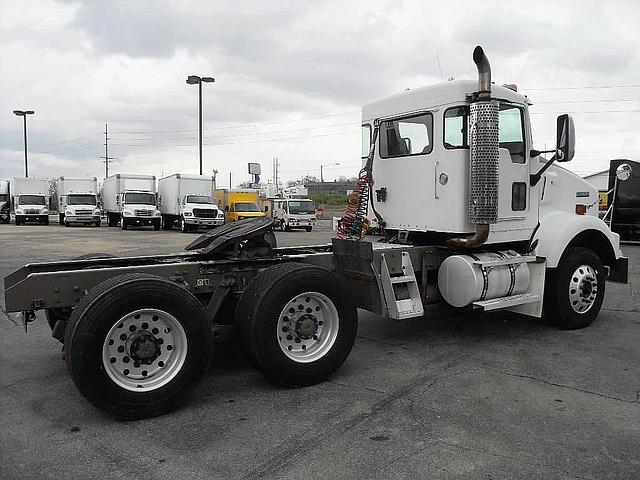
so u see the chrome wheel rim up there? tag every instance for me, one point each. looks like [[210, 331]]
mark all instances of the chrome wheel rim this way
[[308, 327], [583, 289], [144, 350]]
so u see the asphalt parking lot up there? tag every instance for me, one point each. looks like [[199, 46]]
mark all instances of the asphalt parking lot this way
[[450, 395]]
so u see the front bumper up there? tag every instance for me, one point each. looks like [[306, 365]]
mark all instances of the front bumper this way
[[141, 220], [619, 271], [302, 223], [33, 217], [82, 218], [204, 222]]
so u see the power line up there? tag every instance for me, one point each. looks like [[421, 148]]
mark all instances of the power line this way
[[241, 125], [591, 101], [593, 111], [242, 143], [586, 87]]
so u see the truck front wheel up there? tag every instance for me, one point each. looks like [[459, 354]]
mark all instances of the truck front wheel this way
[[296, 323], [61, 218], [575, 290], [137, 344]]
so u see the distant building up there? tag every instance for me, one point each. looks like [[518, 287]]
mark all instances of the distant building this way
[[330, 188], [600, 180]]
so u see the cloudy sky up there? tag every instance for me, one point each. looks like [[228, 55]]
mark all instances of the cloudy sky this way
[[291, 77]]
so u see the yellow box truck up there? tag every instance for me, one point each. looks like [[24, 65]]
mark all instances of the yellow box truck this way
[[238, 204]]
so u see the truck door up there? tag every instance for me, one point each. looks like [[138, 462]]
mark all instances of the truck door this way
[[516, 210]]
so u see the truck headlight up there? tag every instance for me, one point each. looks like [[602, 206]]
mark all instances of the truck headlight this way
[[96, 211], [69, 212], [44, 210], [127, 213], [220, 214], [18, 211], [187, 214], [157, 213]]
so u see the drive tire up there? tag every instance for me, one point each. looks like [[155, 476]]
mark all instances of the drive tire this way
[[123, 224], [184, 228], [258, 322], [61, 218], [17, 221], [101, 310], [156, 225], [560, 294], [167, 223], [46, 221]]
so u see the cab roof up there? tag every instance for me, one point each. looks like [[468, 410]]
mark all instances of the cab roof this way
[[432, 96]]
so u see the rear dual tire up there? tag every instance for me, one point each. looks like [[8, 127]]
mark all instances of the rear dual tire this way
[[296, 323], [136, 345]]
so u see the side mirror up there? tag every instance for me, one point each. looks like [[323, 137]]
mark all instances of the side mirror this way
[[565, 138], [117, 200], [623, 172], [266, 208], [226, 208]]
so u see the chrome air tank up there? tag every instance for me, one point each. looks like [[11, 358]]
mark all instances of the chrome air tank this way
[[463, 279]]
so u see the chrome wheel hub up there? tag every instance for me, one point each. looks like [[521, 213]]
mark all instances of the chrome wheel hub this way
[[583, 289], [144, 350], [308, 327]]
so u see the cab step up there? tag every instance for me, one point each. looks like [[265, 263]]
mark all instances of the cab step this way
[[506, 302], [401, 292]]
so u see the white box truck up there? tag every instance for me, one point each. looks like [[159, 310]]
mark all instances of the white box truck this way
[[290, 213], [188, 200], [30, 199], [78, 200], [131, 200], [5, 202]]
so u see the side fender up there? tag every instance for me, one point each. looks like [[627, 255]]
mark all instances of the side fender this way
[[559, 229]]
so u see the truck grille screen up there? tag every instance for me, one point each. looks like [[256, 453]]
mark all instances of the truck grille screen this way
[[483, 168], [83, 212], [143, 213], [205, 213]]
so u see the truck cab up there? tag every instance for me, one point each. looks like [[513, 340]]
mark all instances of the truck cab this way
[[5, 202], [79, 208], [199, 211], [290, 213], [238, 204], [138, 208]]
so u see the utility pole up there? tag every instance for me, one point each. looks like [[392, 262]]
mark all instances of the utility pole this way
[[230, 187], [215, 175], [107, 158]]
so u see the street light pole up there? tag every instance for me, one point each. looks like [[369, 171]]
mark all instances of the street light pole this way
[[23, 114], [192, 80]]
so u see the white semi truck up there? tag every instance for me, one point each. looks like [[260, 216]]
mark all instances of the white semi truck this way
[[131, 200], [78, 201], [30, 199], [5, 202], [188, 201], [472, 214]]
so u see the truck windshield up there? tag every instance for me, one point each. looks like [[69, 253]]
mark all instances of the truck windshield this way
[[31, 200], [301, 207], [140, 198], [81, 200], [4, 197], [246, 207], [199, 199]]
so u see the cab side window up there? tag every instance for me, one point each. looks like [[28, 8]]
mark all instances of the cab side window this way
[[511, 136]]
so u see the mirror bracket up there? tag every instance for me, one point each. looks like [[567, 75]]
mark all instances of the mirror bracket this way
[[535, 178]]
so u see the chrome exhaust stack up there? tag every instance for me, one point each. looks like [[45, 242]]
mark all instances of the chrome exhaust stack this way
[[483, 157]]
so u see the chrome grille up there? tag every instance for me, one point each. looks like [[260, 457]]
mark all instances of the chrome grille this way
[[483, 166], [84, 212], [142, 213], [31, 211]]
